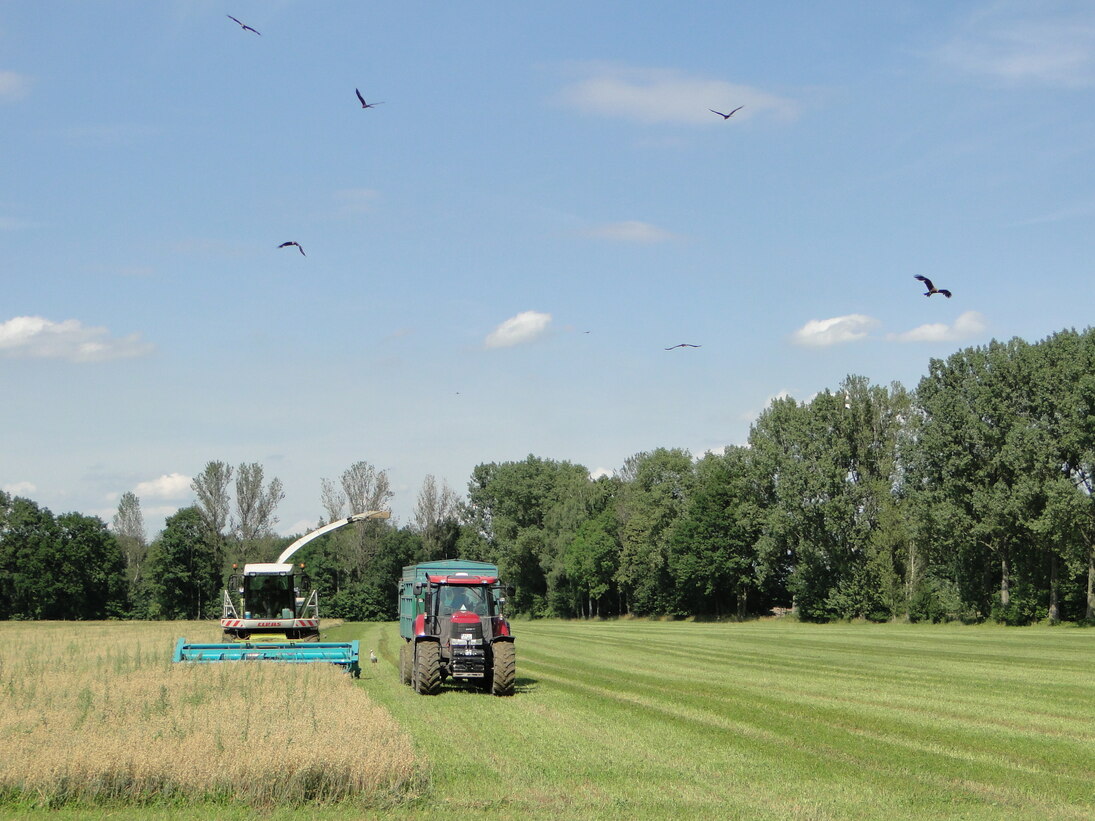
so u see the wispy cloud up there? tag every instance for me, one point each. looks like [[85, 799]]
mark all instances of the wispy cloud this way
[[33, 337], [356, 200], [658, 95], [517, 330], [1015, 43], [13, 86], [15, 224], [750, 414], [969, 324], [102, 135], [820, 333], [20, 488], [629, 231], [168, 486]]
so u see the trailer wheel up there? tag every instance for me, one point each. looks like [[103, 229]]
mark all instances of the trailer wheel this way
[[427, 667], [504, 668], [405, 671]]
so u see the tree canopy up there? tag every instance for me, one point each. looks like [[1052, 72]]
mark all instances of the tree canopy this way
[[971, 497]]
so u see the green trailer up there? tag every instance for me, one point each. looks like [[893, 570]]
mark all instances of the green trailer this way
[[453, 626]]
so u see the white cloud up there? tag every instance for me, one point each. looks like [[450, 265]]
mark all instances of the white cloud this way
[[20, 488], [13, 86], [600, 473], [751, 415], [299, 526], [718, 450], [168, 486], [629, 231], [36, 337], [836, 330], [1016, 44], [969, 324], [653, 95], [525, 327]]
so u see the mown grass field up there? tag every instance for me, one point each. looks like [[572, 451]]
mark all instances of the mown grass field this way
[[769, 719]]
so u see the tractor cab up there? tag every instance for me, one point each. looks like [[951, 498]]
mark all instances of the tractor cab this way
[[464, 597]]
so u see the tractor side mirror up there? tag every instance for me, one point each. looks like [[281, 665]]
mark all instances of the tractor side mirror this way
[[418, 588]]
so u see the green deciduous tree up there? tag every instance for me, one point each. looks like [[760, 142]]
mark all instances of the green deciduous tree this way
[[184, 569], [712, 546], [654, 491], [69, 567]]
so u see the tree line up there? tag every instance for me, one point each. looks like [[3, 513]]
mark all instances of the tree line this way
[[967, 499]]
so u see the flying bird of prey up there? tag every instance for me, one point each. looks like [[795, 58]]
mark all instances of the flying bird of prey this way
[[365, 104], [243, 26], [931, 288], [726, 116], [297, 244], [683, 345]]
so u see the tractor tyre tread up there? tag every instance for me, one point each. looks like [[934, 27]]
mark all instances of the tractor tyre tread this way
[[427, 667], [504, 668]]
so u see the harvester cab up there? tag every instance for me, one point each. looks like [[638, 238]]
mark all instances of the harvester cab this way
[[452, 622], [268, 613], [268, 603]]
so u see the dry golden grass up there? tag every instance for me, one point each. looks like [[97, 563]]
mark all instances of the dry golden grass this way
[[97, 713]]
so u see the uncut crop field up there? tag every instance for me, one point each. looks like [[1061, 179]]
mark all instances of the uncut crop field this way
[[96, 715], [769, 719]]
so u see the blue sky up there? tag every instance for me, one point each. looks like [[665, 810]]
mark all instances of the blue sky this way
[[498, 254]]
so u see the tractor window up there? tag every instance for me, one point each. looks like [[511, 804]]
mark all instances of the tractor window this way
[[464, 597], [268, 597]]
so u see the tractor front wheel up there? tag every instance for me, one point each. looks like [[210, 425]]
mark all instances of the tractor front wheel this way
[[427, 667], [504, 668]]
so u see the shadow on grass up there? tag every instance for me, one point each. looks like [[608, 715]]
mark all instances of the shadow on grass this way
[[521, 684]]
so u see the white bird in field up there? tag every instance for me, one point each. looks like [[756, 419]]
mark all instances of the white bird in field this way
[[372, 657]]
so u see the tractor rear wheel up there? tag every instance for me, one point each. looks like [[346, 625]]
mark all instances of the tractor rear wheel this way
[[427, 667], [504, 668]]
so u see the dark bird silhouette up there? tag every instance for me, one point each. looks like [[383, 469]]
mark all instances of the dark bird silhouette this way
[[726, 116], [683, 345], [243, 26], [931, 288], [297, 244], [365, 104]]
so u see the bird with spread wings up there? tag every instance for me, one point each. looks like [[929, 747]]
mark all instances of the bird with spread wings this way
[[931, 288], [242, 25], [365, 104]]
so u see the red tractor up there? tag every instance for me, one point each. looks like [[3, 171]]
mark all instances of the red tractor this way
[[451, 621]]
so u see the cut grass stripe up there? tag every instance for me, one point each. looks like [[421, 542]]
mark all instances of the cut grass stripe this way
[[764, 720]]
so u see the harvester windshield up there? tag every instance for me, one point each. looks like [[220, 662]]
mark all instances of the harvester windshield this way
[[270, 597]]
